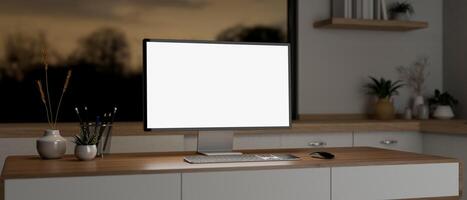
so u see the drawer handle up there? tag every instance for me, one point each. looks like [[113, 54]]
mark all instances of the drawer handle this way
[[317, 144], [389, 142]]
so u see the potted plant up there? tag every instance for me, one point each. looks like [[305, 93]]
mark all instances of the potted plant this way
[[443, 104], [384, 89], [86, 143], [51, 145], [401, 10]]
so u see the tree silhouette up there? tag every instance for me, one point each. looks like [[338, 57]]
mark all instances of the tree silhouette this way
[[252, 34], [106, 49], [23, 52]]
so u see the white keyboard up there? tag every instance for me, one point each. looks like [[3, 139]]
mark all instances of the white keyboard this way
[[200, 159]]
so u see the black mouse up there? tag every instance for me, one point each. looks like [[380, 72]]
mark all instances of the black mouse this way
[[322, 155]]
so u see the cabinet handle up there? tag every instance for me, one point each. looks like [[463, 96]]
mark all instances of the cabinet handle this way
[[317, 144], [389, 142]]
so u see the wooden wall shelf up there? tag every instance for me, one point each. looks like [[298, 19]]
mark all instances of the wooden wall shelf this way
[[364, 24]]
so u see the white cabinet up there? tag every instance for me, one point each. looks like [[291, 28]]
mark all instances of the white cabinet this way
[[307, 140], [296, 184], [448, 145], [402, 141], [336, 183], [141, 187], [395, 181]]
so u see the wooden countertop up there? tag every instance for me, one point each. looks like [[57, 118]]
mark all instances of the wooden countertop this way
[[150, 163]]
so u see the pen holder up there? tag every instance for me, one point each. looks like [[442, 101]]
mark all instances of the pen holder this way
[[104, 139], [98, 133], [103, 147]]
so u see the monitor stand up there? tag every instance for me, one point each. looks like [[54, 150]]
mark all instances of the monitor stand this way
[[216, 143]]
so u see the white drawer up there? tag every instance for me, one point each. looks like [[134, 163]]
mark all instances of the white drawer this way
[[281, 184], [115, 187], [402, 141], [395, 181], [307, 140]]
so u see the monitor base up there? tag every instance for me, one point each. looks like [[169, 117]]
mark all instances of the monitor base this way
[[216, 143]]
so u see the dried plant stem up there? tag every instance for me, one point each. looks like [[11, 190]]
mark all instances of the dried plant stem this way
[[41, 91], [65, 86], [46, 66], [45, 96], [415, 75]]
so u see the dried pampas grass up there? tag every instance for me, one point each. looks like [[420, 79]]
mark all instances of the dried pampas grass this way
[[45, 96]]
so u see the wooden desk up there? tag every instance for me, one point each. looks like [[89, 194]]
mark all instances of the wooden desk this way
[[129, 173]]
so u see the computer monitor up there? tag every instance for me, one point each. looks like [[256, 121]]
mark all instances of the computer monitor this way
[[215, 88]]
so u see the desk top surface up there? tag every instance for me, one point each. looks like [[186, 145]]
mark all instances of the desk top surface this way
[[151, 163]]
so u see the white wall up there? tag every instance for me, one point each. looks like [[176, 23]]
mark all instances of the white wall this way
[[334, 64], [455, 52]]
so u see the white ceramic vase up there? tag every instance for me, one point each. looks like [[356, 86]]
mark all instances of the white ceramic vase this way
[[86, 152], [418, 102], [52, 145], [423, 112], [443, 112]]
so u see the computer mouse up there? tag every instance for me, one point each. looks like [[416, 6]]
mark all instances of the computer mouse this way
[[322, 155]]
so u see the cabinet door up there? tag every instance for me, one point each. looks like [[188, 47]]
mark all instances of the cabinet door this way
[[306, 140], [402, 141], [296, 184], [140, 187], [395, 181]]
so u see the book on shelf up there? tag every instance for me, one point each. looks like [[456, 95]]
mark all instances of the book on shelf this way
[[367, 9], [378, 10], [348, 9], [384, 10], [357, 9], [341, 8]]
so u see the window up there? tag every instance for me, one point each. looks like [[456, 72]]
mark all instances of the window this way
[[101, 42]]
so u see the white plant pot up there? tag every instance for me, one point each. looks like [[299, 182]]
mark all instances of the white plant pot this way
[[52, 145], [86, 152], [443, 112], [401, 16]]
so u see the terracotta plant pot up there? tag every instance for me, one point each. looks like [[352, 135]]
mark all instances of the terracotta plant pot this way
[[384, 109]]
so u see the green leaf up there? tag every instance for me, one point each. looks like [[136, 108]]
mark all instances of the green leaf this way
[[383, 88]]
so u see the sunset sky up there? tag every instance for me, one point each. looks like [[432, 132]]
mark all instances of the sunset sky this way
[[66, 21]]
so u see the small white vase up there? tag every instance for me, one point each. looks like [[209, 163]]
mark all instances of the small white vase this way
[[418, 101], [52, 145], [443, 112], [86, 152], [423, 112]]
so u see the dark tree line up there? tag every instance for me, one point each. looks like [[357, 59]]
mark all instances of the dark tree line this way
[[99, 78], [253, 34]]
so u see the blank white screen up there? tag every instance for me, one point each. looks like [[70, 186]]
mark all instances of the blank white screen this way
[[204, 85]]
